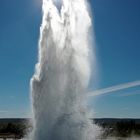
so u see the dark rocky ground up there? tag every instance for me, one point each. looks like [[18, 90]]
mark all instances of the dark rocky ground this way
[[110, 127], [18, 127], [119, 127]]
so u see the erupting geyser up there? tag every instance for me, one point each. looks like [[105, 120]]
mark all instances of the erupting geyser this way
[[62, 73]]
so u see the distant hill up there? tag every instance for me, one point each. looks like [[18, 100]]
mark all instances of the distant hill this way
[[96, 120], [14, 120], [112, 121]]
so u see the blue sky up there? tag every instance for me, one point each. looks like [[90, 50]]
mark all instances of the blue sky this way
[[117, 32]]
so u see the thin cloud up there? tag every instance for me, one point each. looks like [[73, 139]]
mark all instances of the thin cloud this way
[[114, 88]]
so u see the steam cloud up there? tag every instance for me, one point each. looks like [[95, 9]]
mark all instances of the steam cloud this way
[[62, 73]]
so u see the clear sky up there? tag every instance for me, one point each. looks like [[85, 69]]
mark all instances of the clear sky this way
[[117, 31]]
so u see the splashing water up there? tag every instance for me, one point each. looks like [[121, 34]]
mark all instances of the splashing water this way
[[62, 73]]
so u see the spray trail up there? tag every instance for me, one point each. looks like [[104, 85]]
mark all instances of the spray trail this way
[[62, 73]]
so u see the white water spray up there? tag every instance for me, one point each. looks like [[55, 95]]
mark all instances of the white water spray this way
[[62, 73]]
